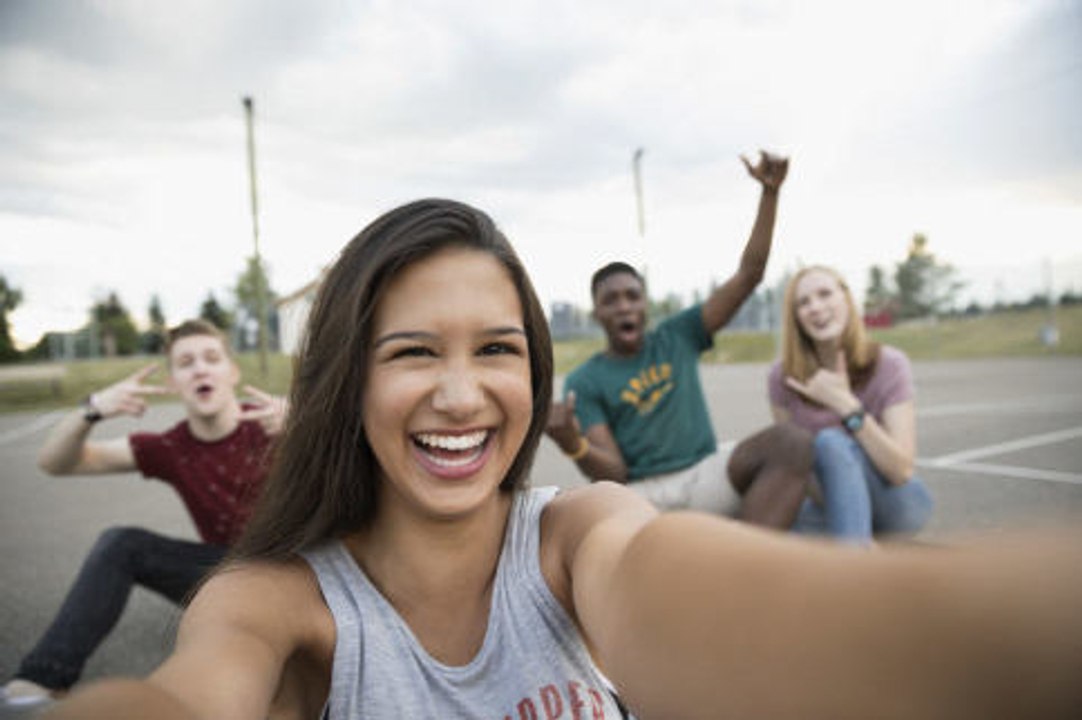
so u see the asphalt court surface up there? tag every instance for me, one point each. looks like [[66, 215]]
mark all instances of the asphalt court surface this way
[[999, 444]]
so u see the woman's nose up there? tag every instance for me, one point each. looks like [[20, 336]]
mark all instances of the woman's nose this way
[[458, 392]]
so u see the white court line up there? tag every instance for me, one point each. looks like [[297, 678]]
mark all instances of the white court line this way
[[1041, 402], [40, 423], [999, 448], [1008, 471]]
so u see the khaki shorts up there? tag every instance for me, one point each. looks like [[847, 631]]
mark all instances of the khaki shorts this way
[[704, 486]]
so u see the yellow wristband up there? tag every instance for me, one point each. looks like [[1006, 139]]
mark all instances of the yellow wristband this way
[[580, 452]]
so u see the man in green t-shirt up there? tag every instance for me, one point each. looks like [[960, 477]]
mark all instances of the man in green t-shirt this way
[[635, 412]]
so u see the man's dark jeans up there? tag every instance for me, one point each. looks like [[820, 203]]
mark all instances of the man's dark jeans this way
[[119, 560]]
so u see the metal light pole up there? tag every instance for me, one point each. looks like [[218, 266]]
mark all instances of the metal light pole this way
[[260, 290], [636, 170]]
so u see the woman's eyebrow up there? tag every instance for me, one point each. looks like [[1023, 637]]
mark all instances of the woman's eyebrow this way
[[420, 335], [404, 335], [506, 330]]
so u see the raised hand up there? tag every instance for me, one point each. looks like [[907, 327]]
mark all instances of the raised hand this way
[[563, 427], [127, 397], [829, 387], [770, 171], [268, 410]]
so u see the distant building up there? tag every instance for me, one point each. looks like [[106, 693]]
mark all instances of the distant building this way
[[293, 312], [567, 321], [759, 313]]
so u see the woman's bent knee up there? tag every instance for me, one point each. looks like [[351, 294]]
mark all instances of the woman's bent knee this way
[[834, 440], [911, 514]]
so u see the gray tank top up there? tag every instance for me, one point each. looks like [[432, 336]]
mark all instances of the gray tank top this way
[[532, 664]]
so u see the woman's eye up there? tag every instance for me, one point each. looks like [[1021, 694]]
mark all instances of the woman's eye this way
[[500, 348], [413, 351]]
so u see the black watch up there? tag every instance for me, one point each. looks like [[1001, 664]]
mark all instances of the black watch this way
[[90, 411], [854, 421]]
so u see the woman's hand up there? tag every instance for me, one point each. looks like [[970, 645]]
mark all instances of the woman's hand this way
[[829, 387]]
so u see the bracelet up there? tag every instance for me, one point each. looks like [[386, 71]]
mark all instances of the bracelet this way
[[91, 413], [580, 452]]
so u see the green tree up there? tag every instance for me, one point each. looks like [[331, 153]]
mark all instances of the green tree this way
[[115, 327], [153, 340], [878, 296], [251, 283], [10, 297], [925, 285], [214, 313]]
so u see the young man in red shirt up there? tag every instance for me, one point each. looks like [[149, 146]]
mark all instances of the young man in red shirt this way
[[216, 459]]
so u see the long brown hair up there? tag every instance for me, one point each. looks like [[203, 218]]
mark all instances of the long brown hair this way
[[798, 358], [324, 482]]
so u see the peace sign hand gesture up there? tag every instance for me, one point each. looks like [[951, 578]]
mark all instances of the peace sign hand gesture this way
[[268, 410], [127, 397]]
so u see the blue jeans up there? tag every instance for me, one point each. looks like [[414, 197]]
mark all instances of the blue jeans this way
[[857, 500], [119, 560]]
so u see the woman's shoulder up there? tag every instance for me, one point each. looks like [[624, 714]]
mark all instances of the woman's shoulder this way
[[597, 500], [248, 573], [584, 530], [576, 515], [775, 383], [275, 598], [892, 358]]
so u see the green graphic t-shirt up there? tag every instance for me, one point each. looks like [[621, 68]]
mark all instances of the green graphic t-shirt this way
[[653, 403]]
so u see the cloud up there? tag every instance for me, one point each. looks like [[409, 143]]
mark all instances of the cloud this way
[[123, 136]]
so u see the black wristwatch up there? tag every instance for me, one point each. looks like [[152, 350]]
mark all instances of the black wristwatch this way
[[854, 421], [90, 411]]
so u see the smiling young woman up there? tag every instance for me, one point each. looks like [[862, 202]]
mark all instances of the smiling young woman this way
[[449, 397], [857, 399], [399, 565]]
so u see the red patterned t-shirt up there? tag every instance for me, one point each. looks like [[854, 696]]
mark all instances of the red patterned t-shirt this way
[[218, 481]]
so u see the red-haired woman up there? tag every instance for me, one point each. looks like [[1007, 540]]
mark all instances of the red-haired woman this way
[[856, 397]]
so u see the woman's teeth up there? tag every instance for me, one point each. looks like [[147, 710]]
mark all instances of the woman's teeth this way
[[452, 451], [453, 443]]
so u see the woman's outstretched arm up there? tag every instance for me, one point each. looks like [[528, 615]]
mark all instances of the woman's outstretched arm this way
[[695, 616], [234, 657]]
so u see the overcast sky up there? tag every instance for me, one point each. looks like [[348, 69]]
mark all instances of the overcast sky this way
[[123, 166]]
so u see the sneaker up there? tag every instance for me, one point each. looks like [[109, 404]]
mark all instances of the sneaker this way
[[24, 693]]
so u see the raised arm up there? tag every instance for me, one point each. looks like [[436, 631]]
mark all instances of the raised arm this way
[[68, 452], [723, 303], [699, 617]]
